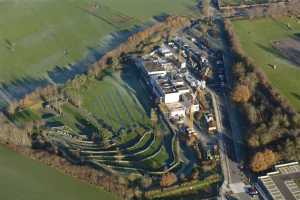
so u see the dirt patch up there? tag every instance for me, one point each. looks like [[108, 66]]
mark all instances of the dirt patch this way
[[290, 49]]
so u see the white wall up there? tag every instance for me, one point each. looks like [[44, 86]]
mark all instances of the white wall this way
[[172, 97], [183, 91]]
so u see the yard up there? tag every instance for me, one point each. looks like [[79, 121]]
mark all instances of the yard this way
[[258, 37], [25, 179]]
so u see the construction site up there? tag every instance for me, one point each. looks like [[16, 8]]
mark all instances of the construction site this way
[[177, 78]]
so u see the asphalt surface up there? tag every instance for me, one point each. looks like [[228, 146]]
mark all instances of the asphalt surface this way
[[230, 134]]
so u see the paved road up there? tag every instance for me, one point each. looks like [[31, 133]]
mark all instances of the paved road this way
[[230, 134]]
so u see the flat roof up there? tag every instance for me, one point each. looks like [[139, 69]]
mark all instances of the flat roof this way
[[151, 66], [175, 106], [281, 184], [169, 90], [182, 87]]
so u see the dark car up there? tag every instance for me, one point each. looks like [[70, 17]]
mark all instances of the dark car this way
[[252, 191]]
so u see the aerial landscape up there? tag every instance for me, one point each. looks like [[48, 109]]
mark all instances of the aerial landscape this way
[[150, 99]]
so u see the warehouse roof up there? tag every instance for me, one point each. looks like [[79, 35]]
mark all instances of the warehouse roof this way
[[280, 184]]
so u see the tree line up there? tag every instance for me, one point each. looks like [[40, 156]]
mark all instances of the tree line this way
[[272, 9], [110, 60], [20, 138], [272, 125]]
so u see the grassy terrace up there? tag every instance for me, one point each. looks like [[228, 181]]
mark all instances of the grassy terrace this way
[[119, 100], [25, 179], [56, 37], [153, 155], [256, 37]]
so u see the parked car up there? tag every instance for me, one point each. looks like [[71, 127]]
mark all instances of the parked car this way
[[252, 191]]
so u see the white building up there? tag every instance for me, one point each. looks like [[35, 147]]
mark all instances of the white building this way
[[195, 107], [182, 89], [183, 65], [172, 97], [208, 117], [166, 51], [152, 68], [191, 80], [176, 110], [202, 84], [165, 90]]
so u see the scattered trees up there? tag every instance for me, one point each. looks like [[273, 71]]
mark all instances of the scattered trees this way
[[205, 8], [291, 149], [241, 94], [271, 121], [264, 160], [168, 179], [167, 27], [11, 108], [11, 134]]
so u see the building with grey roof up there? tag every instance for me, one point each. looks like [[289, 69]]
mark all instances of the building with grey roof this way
[[281, 184]]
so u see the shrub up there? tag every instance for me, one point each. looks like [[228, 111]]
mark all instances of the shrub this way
[[241, 94], [263, 160]]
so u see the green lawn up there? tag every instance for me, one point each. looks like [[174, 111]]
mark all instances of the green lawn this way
[[25, 179], [117, 101], [256, 37], [35, 34], [157, 162]]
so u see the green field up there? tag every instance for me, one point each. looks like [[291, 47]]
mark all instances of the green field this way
[[119, 99], [36, 36], [256, 37], [25, 179]]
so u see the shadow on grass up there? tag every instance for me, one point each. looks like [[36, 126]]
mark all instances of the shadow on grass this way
[[271, 50], [18, 88], [280, 24], [162, 17], [296, 95], [61, 74], [134, 84], [85, 127]]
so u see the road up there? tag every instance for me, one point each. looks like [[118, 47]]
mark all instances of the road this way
[[228, 123]]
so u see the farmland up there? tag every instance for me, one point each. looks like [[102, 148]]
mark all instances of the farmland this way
[[22, 179], [257, 38], [47, 36]]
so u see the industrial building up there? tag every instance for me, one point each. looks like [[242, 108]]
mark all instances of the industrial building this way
[[171, 83], [281, 184], [162, 74]]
